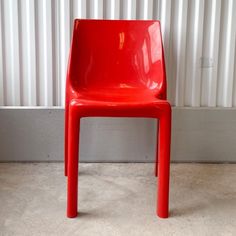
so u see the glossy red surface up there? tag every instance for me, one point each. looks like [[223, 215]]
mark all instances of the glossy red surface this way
[[116, 68]]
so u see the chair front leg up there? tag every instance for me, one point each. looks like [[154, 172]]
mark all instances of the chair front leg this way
[[156, 160], [66, 140], [73, 149], [164, 163]]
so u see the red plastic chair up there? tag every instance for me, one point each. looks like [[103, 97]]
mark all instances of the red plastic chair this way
[[116, 69]]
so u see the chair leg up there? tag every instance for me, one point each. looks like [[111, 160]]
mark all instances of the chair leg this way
[[73, 148], [164, 164], [156, 167], [156, 161], [66, 141]]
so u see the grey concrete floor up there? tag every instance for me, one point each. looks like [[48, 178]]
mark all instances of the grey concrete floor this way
[[117, 199]]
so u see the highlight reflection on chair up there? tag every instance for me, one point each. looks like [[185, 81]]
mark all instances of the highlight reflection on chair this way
[[116, 69]]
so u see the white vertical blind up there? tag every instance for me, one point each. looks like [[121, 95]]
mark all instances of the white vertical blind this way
[[1, 58], [226, 55], [199, 43], [127, 9], [44, 51], [193, 52], [64, 37], [178, 47], [11, 47], [209, 60], [28, 53]]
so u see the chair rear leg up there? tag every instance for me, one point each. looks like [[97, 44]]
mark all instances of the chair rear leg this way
[[164, 164], [73, 148], [156, 162], [156, 167]]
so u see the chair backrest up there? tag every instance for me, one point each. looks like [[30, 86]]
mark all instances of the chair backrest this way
[[117, 54]]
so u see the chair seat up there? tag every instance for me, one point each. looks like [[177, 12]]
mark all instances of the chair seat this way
[[131, 103], [118, 97]]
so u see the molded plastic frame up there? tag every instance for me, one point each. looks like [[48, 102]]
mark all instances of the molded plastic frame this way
[[116, 69]]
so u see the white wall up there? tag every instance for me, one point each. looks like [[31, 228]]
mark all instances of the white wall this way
[[198, 135], [199, 40]]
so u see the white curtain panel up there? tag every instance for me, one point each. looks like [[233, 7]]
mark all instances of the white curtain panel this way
[[199, 42]]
